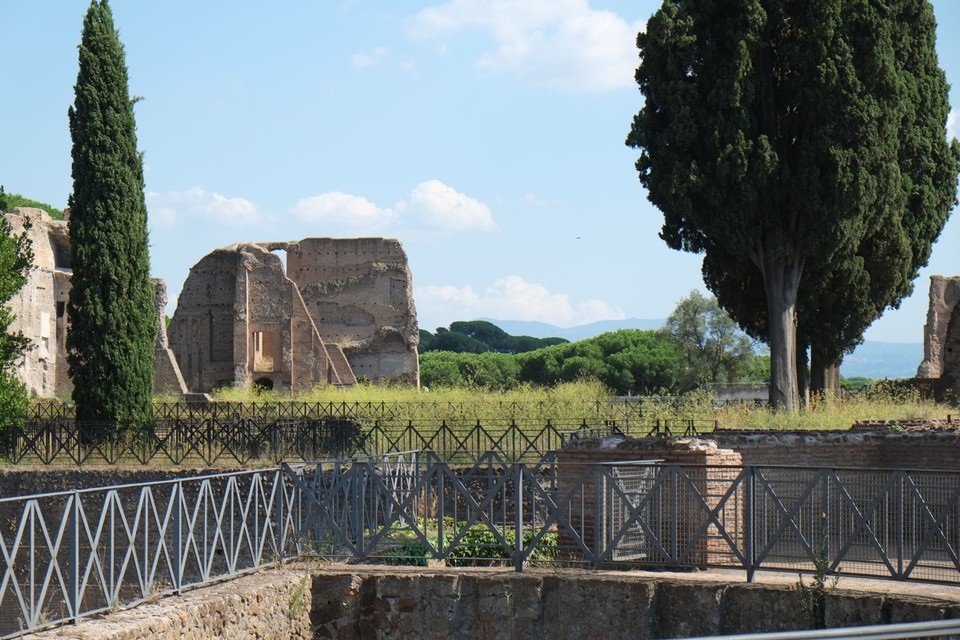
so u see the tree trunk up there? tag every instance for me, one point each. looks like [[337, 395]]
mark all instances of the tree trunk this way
[[825, 375], [781, 279], [803, 380]]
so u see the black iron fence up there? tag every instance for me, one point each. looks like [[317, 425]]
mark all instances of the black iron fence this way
[[624, 410], [303, 432]]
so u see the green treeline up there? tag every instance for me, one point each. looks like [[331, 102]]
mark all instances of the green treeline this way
[[628, 361], [480, 336], [9, 201]]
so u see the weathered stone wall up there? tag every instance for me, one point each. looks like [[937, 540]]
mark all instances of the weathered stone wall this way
[[269, 604], [350, 603], [40, 306], [941, 336], [16, 481], [359, 292], [343, 309], [720, 466], [239, 319], [933, 449], [41, 311], [896, 446], [167, 378]]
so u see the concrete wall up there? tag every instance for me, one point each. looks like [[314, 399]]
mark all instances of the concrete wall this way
[[350, 603]]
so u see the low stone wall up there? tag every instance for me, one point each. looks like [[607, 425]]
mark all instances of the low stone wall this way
[[353, 602], [22, 481], [896, 446], [269, 604]]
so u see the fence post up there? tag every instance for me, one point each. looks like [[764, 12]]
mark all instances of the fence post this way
[[177, 498], [518, 517], [75, 557], [899, 513], [356, 503], [280, 495], [749, 515], [674, 514]]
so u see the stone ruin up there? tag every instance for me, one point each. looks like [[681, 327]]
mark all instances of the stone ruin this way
[[941, 337], [342, 310], [40, 308]]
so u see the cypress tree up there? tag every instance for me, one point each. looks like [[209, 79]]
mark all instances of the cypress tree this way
[[111, 309], [799, 145]]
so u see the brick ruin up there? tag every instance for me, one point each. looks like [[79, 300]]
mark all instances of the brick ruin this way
[[342, 310], [41, 305], [40, 308], [941, 336]]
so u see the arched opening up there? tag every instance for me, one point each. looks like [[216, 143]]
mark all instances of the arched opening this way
[[263, 384]]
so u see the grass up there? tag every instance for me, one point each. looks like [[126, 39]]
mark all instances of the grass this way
[[881, 401]]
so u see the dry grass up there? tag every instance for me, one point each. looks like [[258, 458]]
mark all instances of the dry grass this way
[[576, 400]]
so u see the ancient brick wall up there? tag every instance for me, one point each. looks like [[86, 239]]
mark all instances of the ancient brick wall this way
[[40, 308], [359, 293], [709, 469], [341, 309], [934, 449], [941, 336]]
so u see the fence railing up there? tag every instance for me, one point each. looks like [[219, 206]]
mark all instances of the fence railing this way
[[623, 410], [70, 554], [901, 525], [249, 439], [75, 553], [946, 629]]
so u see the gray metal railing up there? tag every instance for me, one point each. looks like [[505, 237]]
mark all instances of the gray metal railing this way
[[70, 554], [901, 631], [902, 525], [75, 553]]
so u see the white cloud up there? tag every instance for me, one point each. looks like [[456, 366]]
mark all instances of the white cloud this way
[[371, 58], [167, 209], [953, 124], [442, 206], [563, 44], [338, 208], [511, 298]]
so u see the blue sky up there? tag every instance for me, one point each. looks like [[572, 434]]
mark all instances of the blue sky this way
[[487, 135]]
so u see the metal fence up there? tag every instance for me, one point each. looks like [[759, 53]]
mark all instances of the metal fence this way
[[252, 437], [946, 629], [69, 554], [75, 553], [900, 525], [624, 410]]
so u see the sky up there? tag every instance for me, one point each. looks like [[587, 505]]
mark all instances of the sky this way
[[486, 135]]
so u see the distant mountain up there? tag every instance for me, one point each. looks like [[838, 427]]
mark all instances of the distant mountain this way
[[573, 334], [883, 360], [876, 360]]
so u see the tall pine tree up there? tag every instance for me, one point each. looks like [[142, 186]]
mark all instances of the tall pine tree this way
[[111, 309]]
